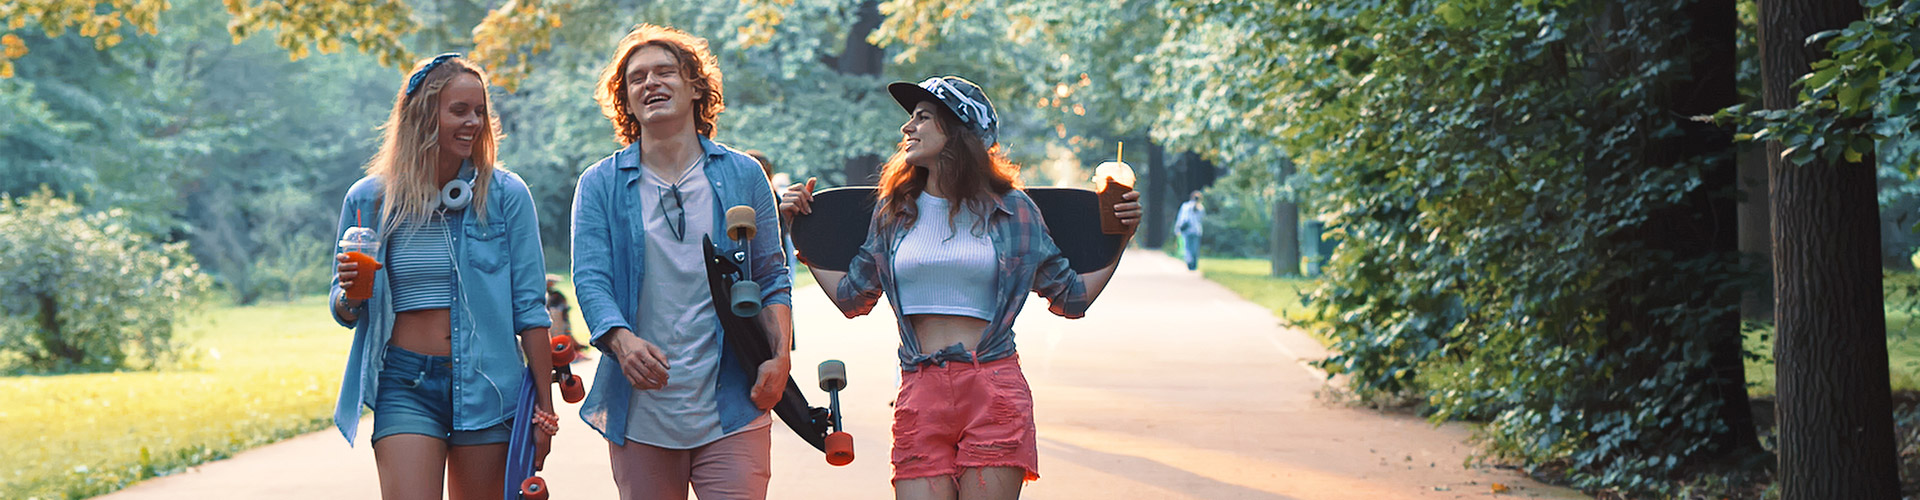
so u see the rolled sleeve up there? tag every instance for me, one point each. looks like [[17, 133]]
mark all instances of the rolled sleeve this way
[[333, 284], [769, 248], [528, 258], [592, 238], [860, 289]]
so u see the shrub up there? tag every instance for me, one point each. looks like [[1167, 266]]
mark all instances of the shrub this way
[[85, 292]]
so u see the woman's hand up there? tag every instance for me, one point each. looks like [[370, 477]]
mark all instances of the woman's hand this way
[[542, 444], [797, 199], [346, 271], [1128, 210]]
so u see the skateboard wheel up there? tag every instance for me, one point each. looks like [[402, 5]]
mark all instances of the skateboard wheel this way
[[740, 223], [562, 350], [533, 488], [745, 299], [839, 448], [833, 375], [572, 390]]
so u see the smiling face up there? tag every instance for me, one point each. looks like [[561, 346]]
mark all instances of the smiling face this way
[[463, 110], [657, 91], [922, 135]]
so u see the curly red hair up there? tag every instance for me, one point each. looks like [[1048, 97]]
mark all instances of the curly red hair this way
[[697, 63]]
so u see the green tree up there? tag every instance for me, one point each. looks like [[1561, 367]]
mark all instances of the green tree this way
[[85, 291]]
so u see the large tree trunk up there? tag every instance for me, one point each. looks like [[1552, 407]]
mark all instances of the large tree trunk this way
[[858, 57], [1714, 234], [1835, 413], [1756, 233], [1160, 206], [1285, 243]]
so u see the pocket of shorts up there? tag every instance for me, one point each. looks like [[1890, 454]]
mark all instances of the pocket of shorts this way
[[401, 378], [1010, 391]]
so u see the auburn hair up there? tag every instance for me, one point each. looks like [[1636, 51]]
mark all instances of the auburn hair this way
[[697, 65], [408, 161], [973, 174]]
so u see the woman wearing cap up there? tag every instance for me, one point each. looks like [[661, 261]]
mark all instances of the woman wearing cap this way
[[957, 246], [457, 303]]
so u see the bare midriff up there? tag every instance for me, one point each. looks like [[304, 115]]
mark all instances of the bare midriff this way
[[937, 331], [425, 331]]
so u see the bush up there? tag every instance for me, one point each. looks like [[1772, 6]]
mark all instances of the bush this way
[[86, 293]]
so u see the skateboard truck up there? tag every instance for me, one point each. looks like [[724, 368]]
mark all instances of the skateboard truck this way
[[833, 378], [571, 390], [745, 294]]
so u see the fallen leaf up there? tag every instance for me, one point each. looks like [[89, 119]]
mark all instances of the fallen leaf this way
[[1499, 488]]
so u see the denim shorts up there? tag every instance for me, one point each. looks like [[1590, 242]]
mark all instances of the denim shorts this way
[[416, 397]]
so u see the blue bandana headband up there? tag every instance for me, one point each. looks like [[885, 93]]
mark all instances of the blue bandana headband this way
[[413, 82]]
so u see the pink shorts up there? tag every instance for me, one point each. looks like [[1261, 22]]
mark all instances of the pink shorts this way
[[964, 415]]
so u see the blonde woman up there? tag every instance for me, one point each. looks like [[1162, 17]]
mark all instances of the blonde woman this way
[[435, 352]]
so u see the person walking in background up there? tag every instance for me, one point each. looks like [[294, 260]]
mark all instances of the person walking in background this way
[[1189, 224], [668, 396], [434, 344], [957, 246]]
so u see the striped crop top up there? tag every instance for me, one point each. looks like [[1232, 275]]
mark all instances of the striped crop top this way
[[944, 267], [420, 265]]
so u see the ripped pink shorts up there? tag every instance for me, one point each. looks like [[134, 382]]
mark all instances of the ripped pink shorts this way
[[963, 415]]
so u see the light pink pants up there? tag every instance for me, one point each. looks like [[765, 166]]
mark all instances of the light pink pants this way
[[735, 467]]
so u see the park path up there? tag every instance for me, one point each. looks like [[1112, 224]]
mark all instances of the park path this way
[[1172, 387]]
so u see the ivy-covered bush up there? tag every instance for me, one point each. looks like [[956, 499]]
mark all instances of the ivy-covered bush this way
[[1491, 167], [85, 292]]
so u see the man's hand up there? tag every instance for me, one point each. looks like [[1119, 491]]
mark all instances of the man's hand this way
[[642, 362], [772, 383]]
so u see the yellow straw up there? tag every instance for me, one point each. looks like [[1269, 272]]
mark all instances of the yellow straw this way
[[1120, 154]]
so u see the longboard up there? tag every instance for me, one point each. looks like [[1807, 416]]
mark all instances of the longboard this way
[[520, 440], [830, 236], [748, 341]]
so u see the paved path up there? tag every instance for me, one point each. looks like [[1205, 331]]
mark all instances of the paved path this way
[[1170, 388]]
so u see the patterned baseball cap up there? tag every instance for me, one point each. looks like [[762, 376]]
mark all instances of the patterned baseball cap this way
[[965, 99]]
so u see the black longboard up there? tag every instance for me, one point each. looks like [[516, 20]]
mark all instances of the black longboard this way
[[828, 237], [748, 341]]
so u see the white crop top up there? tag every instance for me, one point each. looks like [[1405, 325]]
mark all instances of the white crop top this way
[[943, 268]]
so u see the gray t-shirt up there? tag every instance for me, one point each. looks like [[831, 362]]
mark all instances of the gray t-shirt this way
[[676, 314]]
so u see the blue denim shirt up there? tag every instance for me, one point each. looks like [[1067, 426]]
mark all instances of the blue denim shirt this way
[[609, 255], [1028, 261], [502, 292]]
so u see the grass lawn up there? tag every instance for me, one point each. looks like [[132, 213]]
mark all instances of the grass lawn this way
[[1903, 356], [263, 373], [1249, 278]]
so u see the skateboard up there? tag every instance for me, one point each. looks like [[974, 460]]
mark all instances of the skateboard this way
[[830, 236], [521, 483], [736, 302]]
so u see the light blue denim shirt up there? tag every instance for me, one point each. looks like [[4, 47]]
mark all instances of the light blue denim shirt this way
[[609, 235], [502, 292]]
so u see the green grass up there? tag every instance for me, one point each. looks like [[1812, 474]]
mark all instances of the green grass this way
[[1251, 280], [1903, 355], [260, 374]]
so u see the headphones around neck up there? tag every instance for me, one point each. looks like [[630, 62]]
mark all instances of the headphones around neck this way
[[458, 193]]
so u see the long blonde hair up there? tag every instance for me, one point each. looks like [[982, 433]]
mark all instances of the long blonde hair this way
[[410, 148]]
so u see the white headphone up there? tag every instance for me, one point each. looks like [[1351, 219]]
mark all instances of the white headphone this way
[[458, 193]]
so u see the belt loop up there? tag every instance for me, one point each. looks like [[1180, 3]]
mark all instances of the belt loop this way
[[976, 358]]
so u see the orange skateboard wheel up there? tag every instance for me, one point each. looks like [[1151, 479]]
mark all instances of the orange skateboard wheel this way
[[571, 390], [839, 448], [533, 488], [562, 350]]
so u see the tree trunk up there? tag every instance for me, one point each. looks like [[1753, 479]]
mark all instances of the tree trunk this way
[[1714, 235], [859, 57], [1755, 233], [1285, 243], [1835, 409], [1159, 210]]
